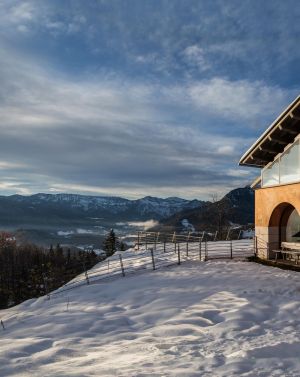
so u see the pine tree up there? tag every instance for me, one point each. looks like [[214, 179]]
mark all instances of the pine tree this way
[[109, 245], [26, 269]]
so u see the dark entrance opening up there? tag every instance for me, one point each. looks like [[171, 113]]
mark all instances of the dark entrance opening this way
[[284, 226]]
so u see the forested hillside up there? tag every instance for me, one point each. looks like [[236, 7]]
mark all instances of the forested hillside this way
[[235, 208], [28, 271]]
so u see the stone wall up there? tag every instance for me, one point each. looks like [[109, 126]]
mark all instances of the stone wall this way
[[270, 203]]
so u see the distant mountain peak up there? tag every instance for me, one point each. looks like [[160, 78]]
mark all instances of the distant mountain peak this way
[[63, 207], [239, 205]]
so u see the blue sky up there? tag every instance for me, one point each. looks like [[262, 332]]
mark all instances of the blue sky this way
[[136, 98]]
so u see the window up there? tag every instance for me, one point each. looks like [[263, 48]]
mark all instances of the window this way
[[290, 164], [285, 169], [270, 175]]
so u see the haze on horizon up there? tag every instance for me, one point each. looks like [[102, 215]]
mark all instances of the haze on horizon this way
[[133, 98]]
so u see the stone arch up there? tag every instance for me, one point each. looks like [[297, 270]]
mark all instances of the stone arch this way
[[278, 224]]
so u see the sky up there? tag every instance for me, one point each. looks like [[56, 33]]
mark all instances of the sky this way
[[139, 97]]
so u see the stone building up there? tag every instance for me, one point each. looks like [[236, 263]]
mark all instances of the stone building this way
[[277, 190]]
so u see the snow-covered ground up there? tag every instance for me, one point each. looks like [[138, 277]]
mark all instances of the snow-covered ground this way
[[140, 259], [215, 318]]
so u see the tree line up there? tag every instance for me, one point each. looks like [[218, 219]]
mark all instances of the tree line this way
[[28, 271]]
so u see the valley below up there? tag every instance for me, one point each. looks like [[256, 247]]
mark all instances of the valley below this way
[[84, 221], [82, 236]]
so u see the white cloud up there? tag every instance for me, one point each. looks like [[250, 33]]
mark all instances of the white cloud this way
[[238, 100], [195, 55], [21, 12], [225, 150], [104, 136], [4, 165], [238, 173], [34, 15], [143, 224], [22, 29]]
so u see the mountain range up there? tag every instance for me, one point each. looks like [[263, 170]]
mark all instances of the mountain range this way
[[55, 209], [237, 207]]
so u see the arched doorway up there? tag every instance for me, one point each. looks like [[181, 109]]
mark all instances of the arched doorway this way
[[293, 227], [284, 226]]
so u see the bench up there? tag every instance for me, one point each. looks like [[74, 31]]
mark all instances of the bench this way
[[290, 246], [289, 251]]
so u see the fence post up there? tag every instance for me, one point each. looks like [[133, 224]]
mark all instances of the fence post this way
[[174, 240], [200, 249], [155, 241], [227, 237], [46, 286], [2, 324], [255, 246], [215, 238], [152, 257], [240, 232], [178, 254], [146, 245], [86, 274], [231, 249], [206, 252], [87, 278], [138, 241], [187, 244], [122, 266]]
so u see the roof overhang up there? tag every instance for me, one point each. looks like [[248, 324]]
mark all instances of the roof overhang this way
[[274, 140]]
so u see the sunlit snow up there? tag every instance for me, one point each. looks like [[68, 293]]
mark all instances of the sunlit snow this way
[[215, 318]]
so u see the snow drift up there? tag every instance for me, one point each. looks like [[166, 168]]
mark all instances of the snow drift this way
[[216, 318]]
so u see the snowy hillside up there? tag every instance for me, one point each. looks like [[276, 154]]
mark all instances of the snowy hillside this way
[[218, 318]]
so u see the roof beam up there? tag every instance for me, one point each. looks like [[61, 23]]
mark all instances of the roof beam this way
[[265, 160], [291, 132], [255, 182], [278, 141], [268, 150], [259, 159], [294, 116], [279, 134]]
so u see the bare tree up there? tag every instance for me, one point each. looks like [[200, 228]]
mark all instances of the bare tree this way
[[221, 206]]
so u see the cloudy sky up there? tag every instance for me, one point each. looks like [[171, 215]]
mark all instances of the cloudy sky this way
[[136, 98]]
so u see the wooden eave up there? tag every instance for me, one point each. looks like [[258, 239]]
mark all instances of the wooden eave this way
[[256, 182], [273, 141]]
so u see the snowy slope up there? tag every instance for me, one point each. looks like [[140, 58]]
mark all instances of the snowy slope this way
[[140, 260], [217, 318]]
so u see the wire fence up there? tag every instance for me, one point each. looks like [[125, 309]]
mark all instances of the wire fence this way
[[158, 237], [155, 253], [152, 239]]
